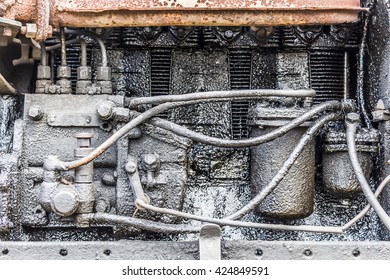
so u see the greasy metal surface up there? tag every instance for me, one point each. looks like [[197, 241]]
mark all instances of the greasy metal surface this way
[[169, 250], [338, 175], [109, 13], [294, 196]]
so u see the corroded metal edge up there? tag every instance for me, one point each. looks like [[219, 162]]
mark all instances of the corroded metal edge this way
[[48, 14]]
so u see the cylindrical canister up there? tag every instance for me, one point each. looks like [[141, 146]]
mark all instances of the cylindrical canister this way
[[338, 176], [293, 198]]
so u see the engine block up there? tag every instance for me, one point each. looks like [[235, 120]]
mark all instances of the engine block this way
[[263, 124]]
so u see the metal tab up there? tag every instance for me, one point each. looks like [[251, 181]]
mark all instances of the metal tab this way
[[210, 242]]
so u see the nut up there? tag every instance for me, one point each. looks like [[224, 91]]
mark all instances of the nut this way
[[64, 72], [43, 72], [103, 73], [31, 30], [84, 73], [106, 87], [105, 111]]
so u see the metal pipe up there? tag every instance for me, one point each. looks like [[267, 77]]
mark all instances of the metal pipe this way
[[362, 213], [360, 77], [83, 47], [204, 139], [232, 223], [143, 224], [43, 54], [352, 121], [68, 42], [221, 96], [63, 48], [250, 93], [306, 138], [96, 38]]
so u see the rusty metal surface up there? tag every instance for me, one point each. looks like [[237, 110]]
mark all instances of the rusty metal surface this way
[[114, 5], [111, 13]]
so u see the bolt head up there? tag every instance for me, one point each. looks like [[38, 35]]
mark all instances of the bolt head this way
[[151, 161], [7, 31], [353, 118], [31, 30], [35, 113], [105, 111], [65, 201], [131, 167]]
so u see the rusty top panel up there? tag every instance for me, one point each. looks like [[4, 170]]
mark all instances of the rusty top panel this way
[[48, 14], [168, 5]]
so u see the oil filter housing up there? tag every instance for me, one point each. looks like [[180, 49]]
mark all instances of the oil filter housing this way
[[338, 175], [293, 198]]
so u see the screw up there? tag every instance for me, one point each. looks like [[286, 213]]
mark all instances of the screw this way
[[35, 113], [63, 252], [356, 253], [259, 252], [307, 252]]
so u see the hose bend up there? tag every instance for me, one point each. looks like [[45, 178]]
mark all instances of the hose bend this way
[[352, 122], [143, 224], [93, 36], [227, 143]]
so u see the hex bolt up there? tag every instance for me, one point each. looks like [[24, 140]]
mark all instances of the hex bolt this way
[[7, 31], [35, 113], [31, 30], [131, 167], [84, 139], [352, 118], [105, 111], [151, 161], [229, 34]]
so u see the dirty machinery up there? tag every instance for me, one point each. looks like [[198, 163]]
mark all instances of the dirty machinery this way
[[155, 129]]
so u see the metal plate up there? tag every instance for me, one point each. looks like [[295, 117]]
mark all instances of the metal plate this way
[[154, 250]]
